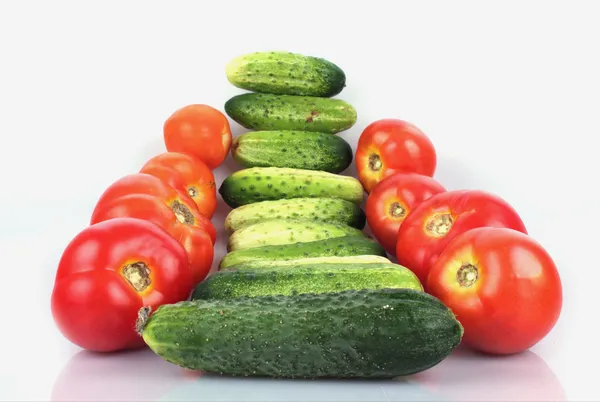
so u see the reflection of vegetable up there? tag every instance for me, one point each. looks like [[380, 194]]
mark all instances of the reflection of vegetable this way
[[354, 334], [201, 131], [390, 145], [107, 273], [503, 286], [187, 174], [439, 219], [392, 199], [146, 197]]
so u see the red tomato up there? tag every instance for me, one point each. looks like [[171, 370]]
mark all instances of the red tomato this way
[[389, 146], [436, 221], [503, 287], [146, 197], [391, 201], [187, 174], [201, 131], [107, 273]]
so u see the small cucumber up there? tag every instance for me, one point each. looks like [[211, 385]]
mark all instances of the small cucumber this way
[[269, 112], [355, 259], [257, 184], [335, 247], [292, 149], [281, 231], [286, 73], [315, 278], [331, 210]]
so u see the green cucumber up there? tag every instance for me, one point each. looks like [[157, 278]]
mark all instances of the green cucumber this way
[[332, 210], [355, 259], [292, 149], [287, 231], [367, 333], [268, 112], [336, 247], [286, 73], [310, 278], [257, 184]]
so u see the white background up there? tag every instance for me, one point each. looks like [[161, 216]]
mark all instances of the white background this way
[[508, 91]]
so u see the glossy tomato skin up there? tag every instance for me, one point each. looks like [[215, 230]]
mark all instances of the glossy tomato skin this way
[[388, 146], [503, 286], [144, 196], [186, 174], [436, 221], [392, 200], [96, 295], [199, 130]]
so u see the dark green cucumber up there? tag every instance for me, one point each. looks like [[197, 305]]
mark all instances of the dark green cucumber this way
[[331, 210], [347, 260], [286, 73], [268, 112], [257, 184], [292, 149], [339, 246], [310, 278], [368, 333], [287, 231]]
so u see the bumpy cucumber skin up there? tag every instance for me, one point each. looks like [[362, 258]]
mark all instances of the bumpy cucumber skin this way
[[367, 333], [287, 231], [257, 184], [358, 259], [339, 246], [269, 112], [292, 149], [313, 278], [332, 210], [286, 73]]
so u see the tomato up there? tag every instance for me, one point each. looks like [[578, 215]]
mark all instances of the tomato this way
[[146, 197], [502, 285], [389, 146], [187, 174], [201, 131], [107, 273], [436, 221], [391, 201]]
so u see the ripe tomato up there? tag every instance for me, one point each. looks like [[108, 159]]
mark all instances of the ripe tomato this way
[[199, 130], [187, 174], [107, 273], [436, 221], [503, 287], [391, 201], [146, 197], [388, 146]]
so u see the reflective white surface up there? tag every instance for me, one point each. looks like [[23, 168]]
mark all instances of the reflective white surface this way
[[507, 91]]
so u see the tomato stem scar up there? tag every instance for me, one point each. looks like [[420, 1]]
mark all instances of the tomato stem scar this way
[[375, 162], [439, 225], [397, 210], [182, 212], [467, 275], [138, 275]]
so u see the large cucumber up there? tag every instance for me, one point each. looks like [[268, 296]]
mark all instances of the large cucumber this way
[[368, 333], [336, 247], [331, 210], [268, 112], [347, 260], [286, 73], [257, 184], [286, 231], [292, 149], [310, 278]]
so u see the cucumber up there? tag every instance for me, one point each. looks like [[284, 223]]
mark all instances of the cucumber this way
[[292, 149], [336, 247], [310, 278], [286, 73], [268, 112], [257, 184], [332, 210], [367, 333], [358, 259], [287, 231]]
